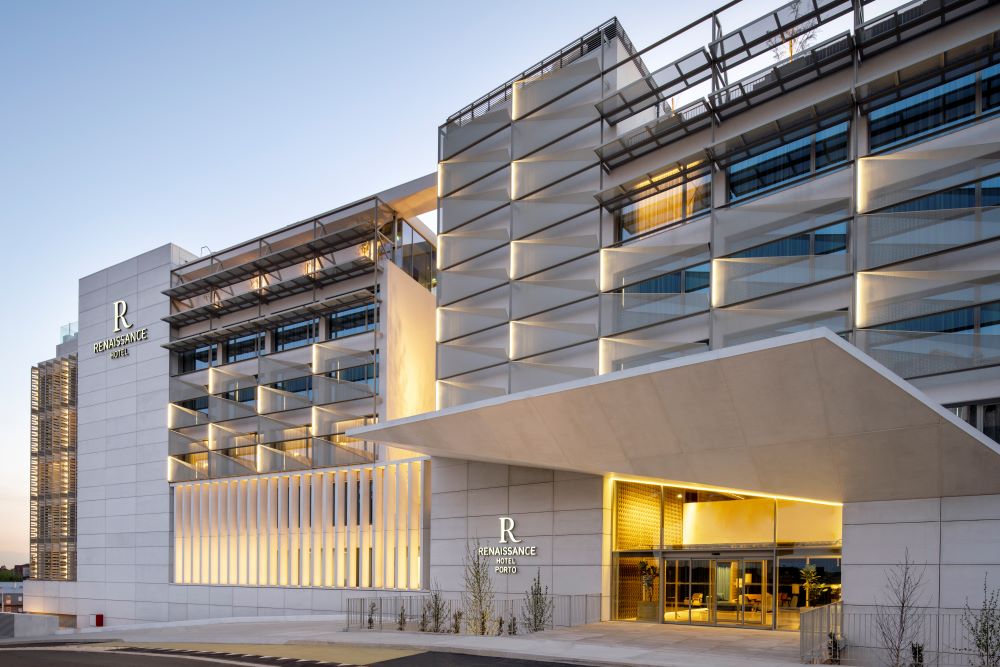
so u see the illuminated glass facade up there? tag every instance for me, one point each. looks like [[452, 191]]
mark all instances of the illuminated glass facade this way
[[717, 557]]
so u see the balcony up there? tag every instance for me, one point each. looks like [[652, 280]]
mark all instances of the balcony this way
[[622, 312], [887, 238], [265, 288], [743, 325], [741, 279], [910, 21], [296, 244], [916, 353], [806, 67], [297, 454], [891, 295]]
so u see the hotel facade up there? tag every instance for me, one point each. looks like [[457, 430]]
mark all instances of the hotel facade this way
[[707, 333]]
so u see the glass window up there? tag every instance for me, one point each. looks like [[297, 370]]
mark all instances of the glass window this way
[[352, 321], [696, 278], [830, 240], [290, 336], [423, 268], [416, 255], [684, 200], [792, 246], [244, 347], [989, 318], [199, 404], [831, 146], [691, 279], [990, 192], [825, 241], [960, 197], [198, 358], [789, 161], [244, 395], [991, 421], [955, 321], [302, 386], [991, 87], [364, 374], [966, 413], [922, 112]]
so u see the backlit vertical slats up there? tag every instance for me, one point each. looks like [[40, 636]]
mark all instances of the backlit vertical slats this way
[[378, 536], [326, 528], [253, 546], [414, 511], [354, 527], [402, 492], [179, 536], [340, 533], [364, 528], [351, 533], [274, 538], [390, 526]]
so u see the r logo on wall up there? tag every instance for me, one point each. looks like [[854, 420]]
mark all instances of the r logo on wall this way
[[507, 556], [118, 345]]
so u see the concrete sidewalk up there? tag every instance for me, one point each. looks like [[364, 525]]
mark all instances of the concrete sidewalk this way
[[610, 643]]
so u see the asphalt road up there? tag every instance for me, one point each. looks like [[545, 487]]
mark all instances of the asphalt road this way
[[55, 657]]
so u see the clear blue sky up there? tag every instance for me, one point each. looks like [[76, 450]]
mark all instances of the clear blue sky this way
[[126, 125]]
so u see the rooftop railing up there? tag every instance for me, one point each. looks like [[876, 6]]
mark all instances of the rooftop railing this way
[[588, 43]]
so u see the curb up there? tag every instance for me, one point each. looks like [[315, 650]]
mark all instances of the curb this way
[[47, 642]]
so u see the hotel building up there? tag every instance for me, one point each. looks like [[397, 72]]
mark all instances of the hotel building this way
[[710, 336]]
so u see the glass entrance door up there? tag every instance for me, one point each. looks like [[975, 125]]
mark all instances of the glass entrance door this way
[[718, 591], [758, 592]]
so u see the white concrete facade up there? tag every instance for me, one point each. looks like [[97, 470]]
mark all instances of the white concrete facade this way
[[954, 541], [566, 515], [124, 524]]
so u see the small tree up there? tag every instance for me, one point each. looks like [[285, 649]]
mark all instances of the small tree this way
[[898, 622], [536, 610], [478, 598], [648, 574], [456, 621], [512, 624], [438, 610], [500, 626], [982, 629], [796, 39], [371, 616], [813, 583], [401, 624], [422, 625]]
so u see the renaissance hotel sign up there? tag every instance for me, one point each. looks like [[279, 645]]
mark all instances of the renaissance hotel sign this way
[[506, 556], [118, 345]]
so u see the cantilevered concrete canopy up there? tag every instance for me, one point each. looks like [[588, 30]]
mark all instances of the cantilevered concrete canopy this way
[[805, 415]]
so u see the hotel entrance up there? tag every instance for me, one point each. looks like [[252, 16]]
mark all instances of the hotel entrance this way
[[718, 591], [712, 557]]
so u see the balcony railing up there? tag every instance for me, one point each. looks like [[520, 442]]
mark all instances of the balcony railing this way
[[626, 311], [741, 279], [300, 454], [886, 238], [917, 353], [743, 325]]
